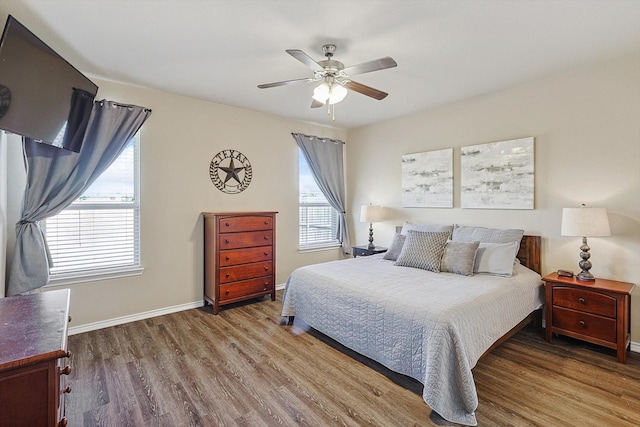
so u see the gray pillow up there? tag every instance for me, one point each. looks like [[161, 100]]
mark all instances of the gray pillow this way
[[465, 233], [423, 249], [425, 227], [459, 257], [395, 248]]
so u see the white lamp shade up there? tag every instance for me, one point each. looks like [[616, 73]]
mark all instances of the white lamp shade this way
[[334, 93], [370, 213], [585, 222]]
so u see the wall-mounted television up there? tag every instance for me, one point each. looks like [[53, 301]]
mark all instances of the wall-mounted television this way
[[42, 96]]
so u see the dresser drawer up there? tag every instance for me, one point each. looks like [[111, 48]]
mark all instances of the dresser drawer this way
[[584, 300], [245, 240], [245, 271], [584, 324], [245, 256], [246, 288], [245, 223]]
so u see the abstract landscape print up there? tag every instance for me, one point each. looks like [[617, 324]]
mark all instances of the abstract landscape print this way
[[498, 175], [427, 179]]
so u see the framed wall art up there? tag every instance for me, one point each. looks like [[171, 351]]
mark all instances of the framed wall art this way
[[427, 179], [498, 175]]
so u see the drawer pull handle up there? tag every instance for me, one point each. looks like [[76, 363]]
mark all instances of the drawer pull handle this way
[[266, 223], [266, 237], [583, 323], [66, 370], [227, 258], [582, 300], [227, 224], [226, 241], [67, 354], [266, 253], [62, 422], [67, 389], [227, 275], [227, 292], [266, 269]]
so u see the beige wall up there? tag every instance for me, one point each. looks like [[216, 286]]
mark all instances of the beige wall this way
[[586, 124], [178, 142], [3, 209]]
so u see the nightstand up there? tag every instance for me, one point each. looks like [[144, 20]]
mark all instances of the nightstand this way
[[598, 312], [365, 251]]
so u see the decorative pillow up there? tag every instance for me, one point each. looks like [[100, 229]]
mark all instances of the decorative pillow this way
[[496, 258], [465, 233], [437, 228], [423, 249], [459, 257], [395, 248]]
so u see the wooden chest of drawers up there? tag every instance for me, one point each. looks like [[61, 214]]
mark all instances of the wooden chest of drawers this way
[[33, 352], [597, 312], [239, 256]]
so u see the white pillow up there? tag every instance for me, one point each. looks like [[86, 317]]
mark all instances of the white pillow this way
[[496, 258]]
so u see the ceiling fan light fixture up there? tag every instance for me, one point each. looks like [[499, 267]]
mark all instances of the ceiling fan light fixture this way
[[329, 93]]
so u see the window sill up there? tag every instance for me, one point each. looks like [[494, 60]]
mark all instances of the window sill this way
[[330, 247], [71, 278]]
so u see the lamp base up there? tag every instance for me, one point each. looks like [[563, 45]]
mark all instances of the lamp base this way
[[585, 276], [371, 245]]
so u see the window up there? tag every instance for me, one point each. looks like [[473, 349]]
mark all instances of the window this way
[[98, 235], [318, 221]]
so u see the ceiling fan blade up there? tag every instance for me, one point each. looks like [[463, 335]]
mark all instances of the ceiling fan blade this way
[[366, 90], [305, 59], [283, 83], [367, 67], [316, 104]]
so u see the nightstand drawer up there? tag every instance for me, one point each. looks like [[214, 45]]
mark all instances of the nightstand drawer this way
[[584, 324], [585, 300]]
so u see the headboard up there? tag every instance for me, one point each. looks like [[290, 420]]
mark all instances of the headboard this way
[[528, 254]]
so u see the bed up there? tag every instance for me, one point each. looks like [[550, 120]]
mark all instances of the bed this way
[[430, 326]]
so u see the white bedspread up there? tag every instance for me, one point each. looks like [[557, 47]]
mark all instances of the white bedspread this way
[[430, 326]]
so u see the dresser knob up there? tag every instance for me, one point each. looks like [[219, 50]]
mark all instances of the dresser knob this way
[[266, 269], [583, 323], [226, 241], [67, 389], [67, 354], [227, 224], [227, 292], [266, 253], [227, 258], [266, 223], [66, 370], [62, 422], [227, 275], [582, 300], [266, 237]]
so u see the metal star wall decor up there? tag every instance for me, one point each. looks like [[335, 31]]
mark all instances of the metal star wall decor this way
[[230, 171]]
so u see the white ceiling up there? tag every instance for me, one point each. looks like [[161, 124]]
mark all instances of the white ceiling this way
[[220, 50]]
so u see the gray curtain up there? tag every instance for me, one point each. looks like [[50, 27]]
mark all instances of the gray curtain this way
[[56, 177], [325, 159]]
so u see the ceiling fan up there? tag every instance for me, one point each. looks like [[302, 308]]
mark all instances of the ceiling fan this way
[[335, 78]]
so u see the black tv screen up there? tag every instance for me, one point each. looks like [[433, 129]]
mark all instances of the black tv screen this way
[[42, 96]]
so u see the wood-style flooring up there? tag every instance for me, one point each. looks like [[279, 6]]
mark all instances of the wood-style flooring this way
[[244, 368]]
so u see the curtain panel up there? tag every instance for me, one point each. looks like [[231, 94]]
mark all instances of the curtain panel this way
[[326, 161], [57, 177]]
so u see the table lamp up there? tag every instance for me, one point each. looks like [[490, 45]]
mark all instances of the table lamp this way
[[585, 222], [370, 214]]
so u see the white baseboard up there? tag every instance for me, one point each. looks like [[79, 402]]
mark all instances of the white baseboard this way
[[140, 316], [133, 317], [635, 347]]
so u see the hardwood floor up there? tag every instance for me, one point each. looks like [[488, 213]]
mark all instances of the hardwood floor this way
[[243, 368]]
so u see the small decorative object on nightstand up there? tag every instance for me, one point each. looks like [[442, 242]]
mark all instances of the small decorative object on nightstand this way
[[366, 250], [585, 222], [598, 312], [370, 214]]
